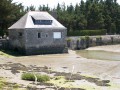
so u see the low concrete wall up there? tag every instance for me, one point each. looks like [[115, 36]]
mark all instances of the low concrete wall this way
[[82, 42]]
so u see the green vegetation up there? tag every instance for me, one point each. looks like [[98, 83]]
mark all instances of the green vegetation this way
[[4, 54], [87, 32], [9, 53], [2, 83], [86, 18], [9, 86], [90, 15], [11, 12], [31, 77]]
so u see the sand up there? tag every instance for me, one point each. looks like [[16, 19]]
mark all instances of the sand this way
[[65, 62]]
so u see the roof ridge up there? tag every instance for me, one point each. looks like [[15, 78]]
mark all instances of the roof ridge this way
[[26, 19]]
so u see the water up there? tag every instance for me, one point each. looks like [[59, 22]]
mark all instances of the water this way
[[98, 54]]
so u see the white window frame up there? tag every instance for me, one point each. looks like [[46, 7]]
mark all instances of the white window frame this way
[[57, 35]]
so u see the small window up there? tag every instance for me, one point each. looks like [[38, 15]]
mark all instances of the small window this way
[[57, 35], [46, 35], [39, 35], [20, 34]]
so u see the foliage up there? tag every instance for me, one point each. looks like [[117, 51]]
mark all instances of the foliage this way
[[87, 32], [86, 15], [10, 13], [31, 77], [91, 15]]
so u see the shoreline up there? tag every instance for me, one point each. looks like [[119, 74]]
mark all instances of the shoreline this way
[[109, 48]]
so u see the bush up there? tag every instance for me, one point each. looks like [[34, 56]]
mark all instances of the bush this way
[[31, 77], [87, 32]]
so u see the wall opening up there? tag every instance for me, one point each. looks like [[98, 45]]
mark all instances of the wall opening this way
[[39, 35], [57, 35]]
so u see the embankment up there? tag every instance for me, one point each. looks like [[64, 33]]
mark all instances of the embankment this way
[[82, 42]]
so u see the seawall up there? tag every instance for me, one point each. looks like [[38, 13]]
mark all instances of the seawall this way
[[82, 42]]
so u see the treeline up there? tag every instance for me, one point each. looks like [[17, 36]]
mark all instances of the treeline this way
[[85, 16], [91, 15], [9, 14]]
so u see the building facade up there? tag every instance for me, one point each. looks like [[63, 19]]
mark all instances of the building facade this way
[[38, 33]]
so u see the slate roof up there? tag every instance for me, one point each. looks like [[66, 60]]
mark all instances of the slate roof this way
[[27, 22]]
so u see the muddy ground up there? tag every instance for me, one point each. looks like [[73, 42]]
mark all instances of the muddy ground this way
[[16, 68], [98, 73]]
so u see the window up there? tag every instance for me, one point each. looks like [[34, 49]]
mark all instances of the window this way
[[57, 35], [46, 35], [41, 22], [39, 35], [20, 34]]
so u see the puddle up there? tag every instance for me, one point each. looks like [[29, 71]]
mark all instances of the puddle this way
[[98, 54]]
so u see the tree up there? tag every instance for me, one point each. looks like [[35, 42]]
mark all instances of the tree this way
[[92, 14], [113, 28], [10, 12], [70, 9], [32, 8]]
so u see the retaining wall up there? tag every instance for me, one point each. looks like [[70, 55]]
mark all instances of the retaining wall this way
[[82, 42], [79, 42]]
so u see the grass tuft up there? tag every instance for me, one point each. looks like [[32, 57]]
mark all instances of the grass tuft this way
[[31, 77]]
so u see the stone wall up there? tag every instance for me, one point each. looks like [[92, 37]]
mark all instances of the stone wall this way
[[82, 42], [46, 50], [45, 44], [4, 44], [74, 43], [28, 43], [17, 39]]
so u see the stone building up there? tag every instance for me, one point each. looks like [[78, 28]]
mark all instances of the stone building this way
[[38, 33]]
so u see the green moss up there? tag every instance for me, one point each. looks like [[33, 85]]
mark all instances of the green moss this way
[[69, 39], [5, 54], [16, 86], [2, 83]]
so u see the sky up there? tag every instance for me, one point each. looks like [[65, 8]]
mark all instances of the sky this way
[[51, 3]]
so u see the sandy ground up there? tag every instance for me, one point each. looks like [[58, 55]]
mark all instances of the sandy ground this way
[[99, 68]]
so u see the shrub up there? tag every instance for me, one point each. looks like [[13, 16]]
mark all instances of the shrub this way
[[87, 32], [31, 77], [43, 78]]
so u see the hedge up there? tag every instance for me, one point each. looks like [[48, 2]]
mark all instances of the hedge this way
[[87, 32]]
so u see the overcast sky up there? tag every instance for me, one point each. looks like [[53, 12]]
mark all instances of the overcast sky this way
[[51, 3]]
